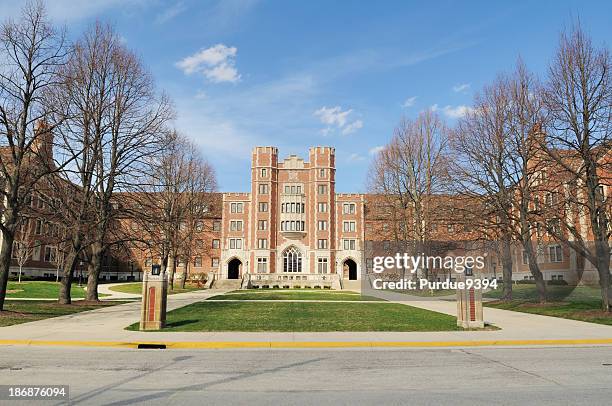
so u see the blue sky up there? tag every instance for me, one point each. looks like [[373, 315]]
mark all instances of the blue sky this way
[[296, 74]]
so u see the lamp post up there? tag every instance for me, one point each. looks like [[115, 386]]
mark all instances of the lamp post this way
[[154, 299]]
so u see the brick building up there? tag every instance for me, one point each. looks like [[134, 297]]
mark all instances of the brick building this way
[[293, 228]]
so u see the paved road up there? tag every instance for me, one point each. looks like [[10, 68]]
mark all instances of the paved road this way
[[478, 376]]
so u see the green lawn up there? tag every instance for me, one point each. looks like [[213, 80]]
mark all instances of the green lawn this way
[[20, 311], [427, 292], [294, 294], [136, 288], [569, 302], [305, 316], [40, 290], [555, 293]]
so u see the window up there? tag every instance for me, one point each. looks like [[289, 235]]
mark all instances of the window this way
[[235, 243], [215, 243], [262, 265], [23, 224], [262, 225], [236, 225], [263, 188], [525, 258], [322, 265], [292, 260], [349, 208], [348, 226], [450, 228], [214, 262], [322, 189], [199, 226], [322, 244], [322, 173], [369, 263], [263, 206], [39, 227], [602, 195], [322, 225], [264, 172], [236, 207], [551, 199], [322, 207], [216, 225], [197, 262], [36, 250], [262, 243], [349, 244], [553, 227], [556, 253]]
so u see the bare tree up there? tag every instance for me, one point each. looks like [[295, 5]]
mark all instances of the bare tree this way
[[197, 195], [24, 244], [169, 209], [31, 51], [525, 119], [409, 171], [579, 100], [112, 122], [481, 147]]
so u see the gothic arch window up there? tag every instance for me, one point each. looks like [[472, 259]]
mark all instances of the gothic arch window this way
[[292, 260]]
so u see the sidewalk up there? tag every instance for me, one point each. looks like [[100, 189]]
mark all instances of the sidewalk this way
[[113, 295], [106, 327]]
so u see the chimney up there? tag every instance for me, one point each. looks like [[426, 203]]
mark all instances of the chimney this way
[[42, 145]]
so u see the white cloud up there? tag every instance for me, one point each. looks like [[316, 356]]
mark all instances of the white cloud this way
[[352, 127], [216, 63], [171, 12], [462, 87], [375, 150], [333, 115], [409, 102], [452, 111], [336, 118], [457, 111], [355, 158]]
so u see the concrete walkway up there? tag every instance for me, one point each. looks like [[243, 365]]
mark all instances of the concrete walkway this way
[[107, 325], [112, 295]]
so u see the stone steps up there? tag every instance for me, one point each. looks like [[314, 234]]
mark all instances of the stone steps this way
[[227, 284]]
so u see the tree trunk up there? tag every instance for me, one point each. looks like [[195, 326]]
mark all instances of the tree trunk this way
[[5, 264], [172, 270], [534, 268], [67, 275], [603, 269], [507, 270], [185, 273], [93, 271]]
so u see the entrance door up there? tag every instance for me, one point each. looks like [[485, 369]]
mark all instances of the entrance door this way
[[233, 269], [352, 269]]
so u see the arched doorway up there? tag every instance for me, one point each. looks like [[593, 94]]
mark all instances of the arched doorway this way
[[351, 267], [233, 269]]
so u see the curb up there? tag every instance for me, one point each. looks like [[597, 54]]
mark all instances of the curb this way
[[309, 344]]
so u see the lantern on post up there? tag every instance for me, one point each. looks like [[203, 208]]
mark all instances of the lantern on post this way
[[154, 299], [469, 303]]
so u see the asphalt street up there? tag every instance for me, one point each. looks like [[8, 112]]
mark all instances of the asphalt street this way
[[471, 376]]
